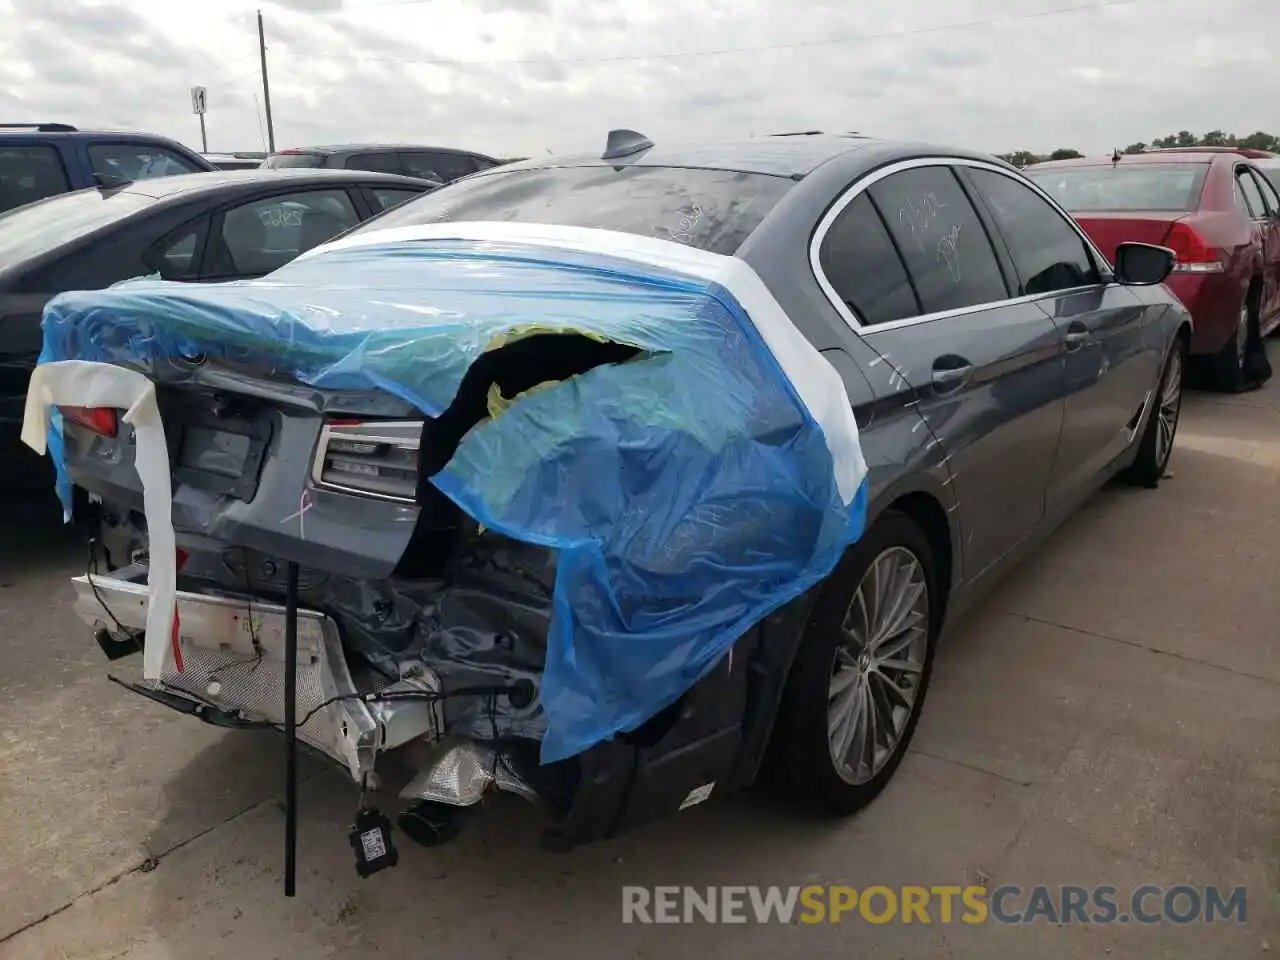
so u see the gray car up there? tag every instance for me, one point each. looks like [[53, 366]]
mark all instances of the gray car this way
[[1000, 372]]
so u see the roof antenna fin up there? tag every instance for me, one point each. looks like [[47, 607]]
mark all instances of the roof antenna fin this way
[[1115, 157], [624, 143]]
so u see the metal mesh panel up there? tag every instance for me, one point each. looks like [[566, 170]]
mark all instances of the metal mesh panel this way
[[231, 681]]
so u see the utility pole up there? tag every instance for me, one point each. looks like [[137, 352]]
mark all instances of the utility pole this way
[[266, 86]]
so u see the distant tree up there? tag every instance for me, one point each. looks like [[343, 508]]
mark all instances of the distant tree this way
[[1021, 158], [1065, 154], [1161, 143], [1135, 147], [1186, 138], [1214, 138], [1260, 141]]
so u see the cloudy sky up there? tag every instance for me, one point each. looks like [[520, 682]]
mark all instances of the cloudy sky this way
[[524, 77]]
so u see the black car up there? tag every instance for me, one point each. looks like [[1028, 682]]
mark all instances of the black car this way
[[227, 225], [431, 163], [39, 160]]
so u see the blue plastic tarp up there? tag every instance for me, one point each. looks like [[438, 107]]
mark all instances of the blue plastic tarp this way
[[688, 492]]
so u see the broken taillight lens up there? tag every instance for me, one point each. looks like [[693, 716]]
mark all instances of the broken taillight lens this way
[[101, 420]]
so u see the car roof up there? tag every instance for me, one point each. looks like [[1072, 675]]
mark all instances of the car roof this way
[[192, 184], [1133, 160], [46, 130], [790, 155], [366, 147]]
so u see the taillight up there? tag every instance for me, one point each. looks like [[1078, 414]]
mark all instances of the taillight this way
[[375, 458], [101, 420], [1194, 254]]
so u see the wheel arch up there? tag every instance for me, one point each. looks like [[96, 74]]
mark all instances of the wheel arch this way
[[927, 512]]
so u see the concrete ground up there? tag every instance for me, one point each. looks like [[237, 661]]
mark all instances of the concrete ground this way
[[1109, 716]]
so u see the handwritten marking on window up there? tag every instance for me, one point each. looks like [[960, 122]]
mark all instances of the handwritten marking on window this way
[[949, 251], [688, 221], [918, 217]]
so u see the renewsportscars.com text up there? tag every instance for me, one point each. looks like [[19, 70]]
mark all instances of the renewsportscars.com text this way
[[1008, 904]]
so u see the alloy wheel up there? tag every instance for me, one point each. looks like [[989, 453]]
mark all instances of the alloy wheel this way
[[876, 671], [1170, 406]]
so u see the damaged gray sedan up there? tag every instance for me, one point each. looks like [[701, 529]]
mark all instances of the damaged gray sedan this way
[[695, 515]]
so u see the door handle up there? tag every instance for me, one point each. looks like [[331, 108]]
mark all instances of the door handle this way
[[1076, 337], [951, 376]]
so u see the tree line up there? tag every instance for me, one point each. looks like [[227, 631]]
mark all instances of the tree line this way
[[1183, 138]]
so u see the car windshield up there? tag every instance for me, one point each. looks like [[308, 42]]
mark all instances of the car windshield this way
[[713, 210], [37, 228], [279, 161], [1125, 186]]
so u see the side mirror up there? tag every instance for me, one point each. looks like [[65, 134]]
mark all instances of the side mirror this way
[[1143, 264]]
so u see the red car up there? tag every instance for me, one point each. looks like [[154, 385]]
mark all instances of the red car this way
[[1216, 212]]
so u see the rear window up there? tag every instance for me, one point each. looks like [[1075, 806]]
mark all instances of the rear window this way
[[41, 227], [713, 210], [1127, 186], [279, 161]]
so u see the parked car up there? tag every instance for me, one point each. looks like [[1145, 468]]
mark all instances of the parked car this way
[[39, 160], [1216, 212], [236, 161], [430, 163], [218, 226], [1000, 370]]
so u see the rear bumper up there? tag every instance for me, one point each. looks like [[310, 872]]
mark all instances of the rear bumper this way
[[1214, 301], [233, 663]]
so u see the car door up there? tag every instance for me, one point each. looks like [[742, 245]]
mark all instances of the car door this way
[[1110, 363], [257, 236], [908, 257], [1269, 227]]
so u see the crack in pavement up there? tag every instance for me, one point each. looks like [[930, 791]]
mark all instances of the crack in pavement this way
[[974, 767], [148, 864], [1140, 645]]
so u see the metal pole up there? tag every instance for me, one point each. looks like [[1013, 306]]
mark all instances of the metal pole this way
[[291, 729], [266, 86], [204, 139]]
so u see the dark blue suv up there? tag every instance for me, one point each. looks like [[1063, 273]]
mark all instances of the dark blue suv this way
[[38, 160]]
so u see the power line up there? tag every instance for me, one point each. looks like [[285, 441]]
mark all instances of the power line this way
[[718, 51]]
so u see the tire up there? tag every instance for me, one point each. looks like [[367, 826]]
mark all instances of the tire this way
[[1226, 367], [799, 764], [1156, 445]]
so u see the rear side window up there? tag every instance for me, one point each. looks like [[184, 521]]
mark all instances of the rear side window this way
[[1125, 186], [30, 173], [177, 256], [132, 161], [285, 161], [1268, 190], [713, 210], [1271, 174], [1253, 201], [388, 197], [383, 162], [260, 236], [1049, 253], [862, 265], [440, 165], [945, 245]]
